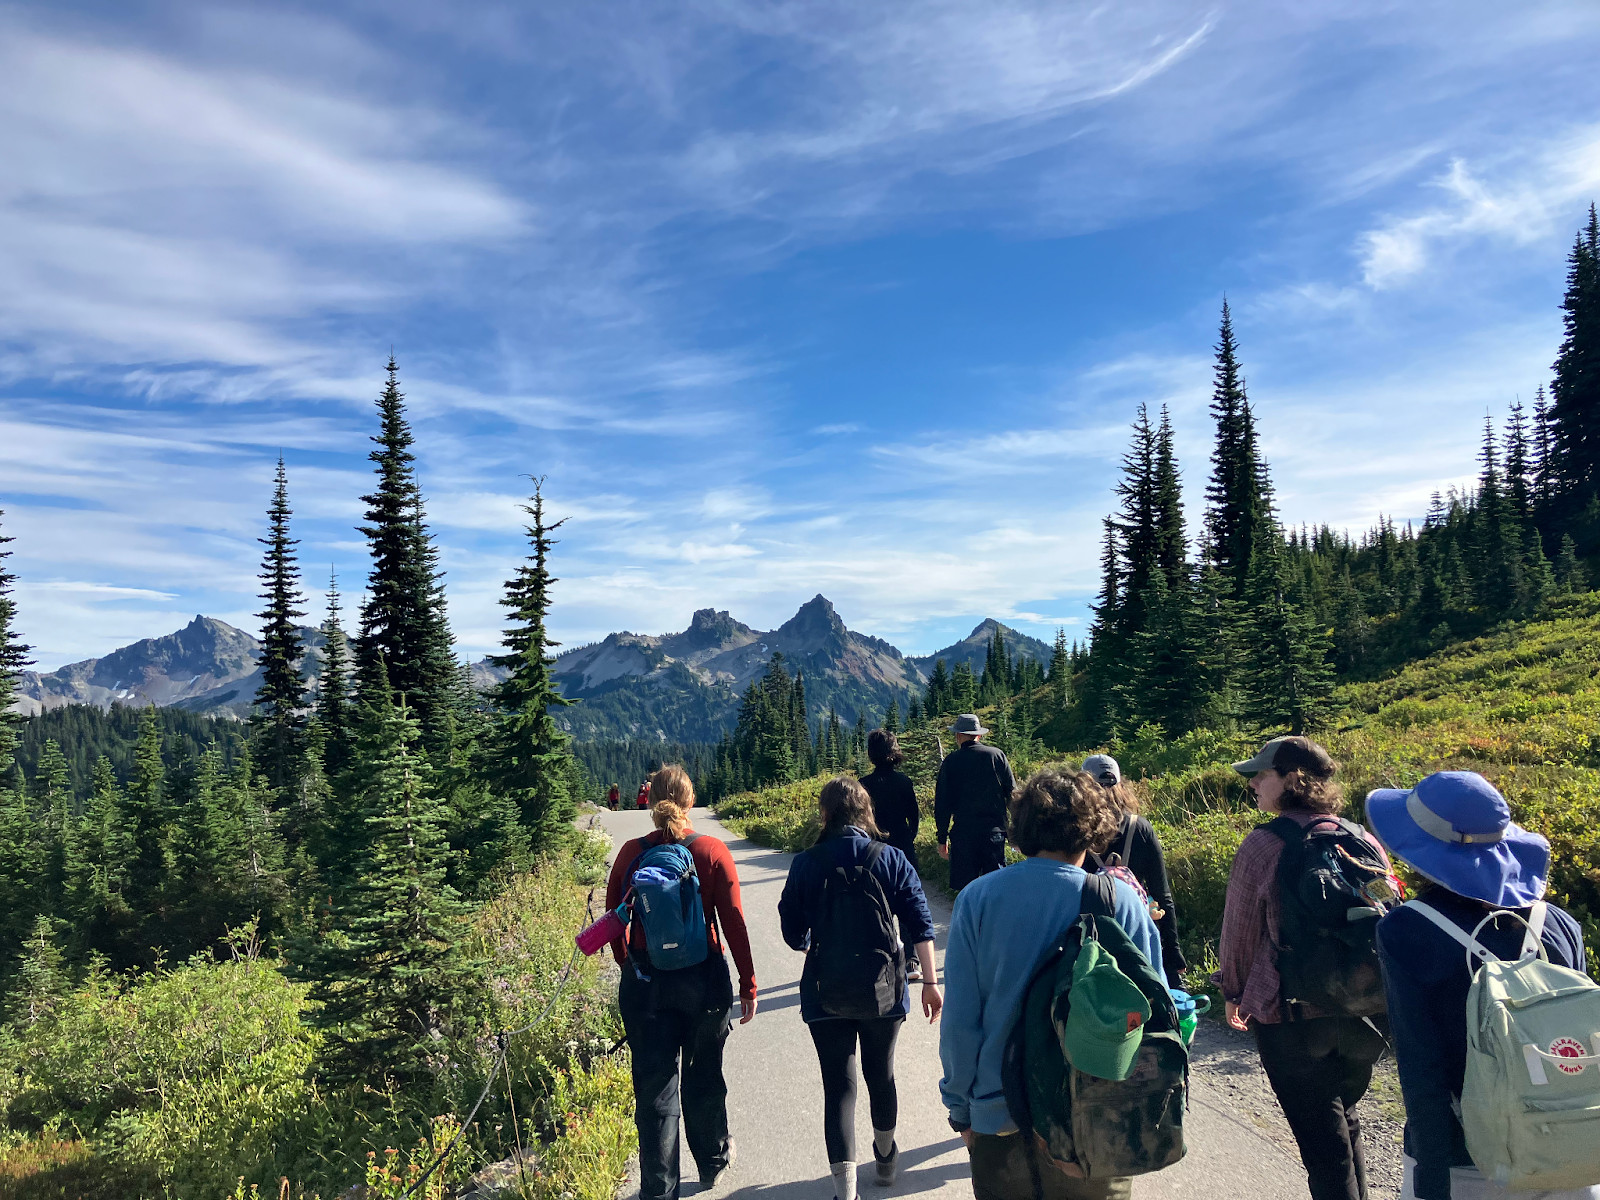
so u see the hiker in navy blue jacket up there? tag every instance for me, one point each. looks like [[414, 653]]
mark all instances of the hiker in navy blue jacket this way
[[850, 838], [1455, 829]]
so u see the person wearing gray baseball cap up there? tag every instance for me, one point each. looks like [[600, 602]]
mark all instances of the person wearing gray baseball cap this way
[[969, 804]]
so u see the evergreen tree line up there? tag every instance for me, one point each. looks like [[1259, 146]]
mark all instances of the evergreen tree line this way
[[356, 827], [1251, 629]]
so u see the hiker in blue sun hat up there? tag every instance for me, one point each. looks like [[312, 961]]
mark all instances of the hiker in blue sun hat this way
[[1486, 879]]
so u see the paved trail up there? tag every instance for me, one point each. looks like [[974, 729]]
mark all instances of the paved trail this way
[[775, 1090]]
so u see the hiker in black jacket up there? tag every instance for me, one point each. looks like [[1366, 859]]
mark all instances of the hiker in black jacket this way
[[894, 799], [969, 804], [1136, 847]]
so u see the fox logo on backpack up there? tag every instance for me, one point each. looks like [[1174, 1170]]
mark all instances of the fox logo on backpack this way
[[856, 964], [1334, 886]]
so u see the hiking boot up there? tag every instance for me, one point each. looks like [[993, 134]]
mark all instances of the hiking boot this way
[[709, 1176], [888, 1167]]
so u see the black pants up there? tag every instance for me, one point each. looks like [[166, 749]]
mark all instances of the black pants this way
[[1319, 1069], [975, 853], [678, 1024], [836, 1039]]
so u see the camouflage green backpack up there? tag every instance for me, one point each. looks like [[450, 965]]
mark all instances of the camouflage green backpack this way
[[1530, 1102], [1090, 1127]]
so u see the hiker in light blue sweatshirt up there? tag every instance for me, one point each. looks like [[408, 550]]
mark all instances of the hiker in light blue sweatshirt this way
[[1003, 923]]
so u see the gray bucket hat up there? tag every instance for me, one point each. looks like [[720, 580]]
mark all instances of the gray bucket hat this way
[[968, 723]]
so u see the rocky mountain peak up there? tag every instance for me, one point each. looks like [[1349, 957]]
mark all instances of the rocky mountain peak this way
[[816, 621]]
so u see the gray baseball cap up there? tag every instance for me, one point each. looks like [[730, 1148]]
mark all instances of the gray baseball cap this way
[[1288, 754], [1106, 770], [968, 723]]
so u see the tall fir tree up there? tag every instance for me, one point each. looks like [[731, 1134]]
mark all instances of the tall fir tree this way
[[403, 622], [1288, 681], [1171, 537], [1575, 390], [394, 981], [527, 750], [13, 658], [332, 712], [98, 853], [1060, 677], [147, 819], [278, 711], [1239, 517]]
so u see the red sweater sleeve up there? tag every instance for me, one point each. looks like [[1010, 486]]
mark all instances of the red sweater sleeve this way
[[616, 888], [723, 896]]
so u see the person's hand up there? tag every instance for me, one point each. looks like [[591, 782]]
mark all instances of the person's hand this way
[[967, 1138], [944, 850], [1236, 1019], [747, 1007], [932, 1001]]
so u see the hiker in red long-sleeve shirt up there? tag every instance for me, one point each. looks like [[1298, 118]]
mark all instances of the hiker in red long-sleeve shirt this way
[[684, 1014]]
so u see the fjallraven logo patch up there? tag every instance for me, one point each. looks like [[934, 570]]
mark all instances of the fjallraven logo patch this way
[[1565, 1047]]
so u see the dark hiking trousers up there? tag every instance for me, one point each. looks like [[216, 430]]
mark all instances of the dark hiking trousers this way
[[676, 1034], [1010, 1167], [835, 1039], [1319, 1068]]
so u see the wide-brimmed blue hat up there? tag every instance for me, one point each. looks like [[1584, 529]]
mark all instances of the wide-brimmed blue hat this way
[[1456, 829]]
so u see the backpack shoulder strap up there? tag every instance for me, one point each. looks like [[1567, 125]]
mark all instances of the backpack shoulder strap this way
[[1099, 896], [874, 853], [1127, 838], [1286, 829], [1455, 931]]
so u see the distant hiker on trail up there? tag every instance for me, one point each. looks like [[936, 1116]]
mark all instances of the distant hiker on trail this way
[[1136, 847], [894, 806], [969, 804], [614, 798], [1485, 879], [894, 799], [1318, 1056], [1002, 925], [678, 1019], [840, 905], [642, 800]]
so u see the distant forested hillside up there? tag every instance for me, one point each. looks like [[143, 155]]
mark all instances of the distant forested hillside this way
[[85, 732]]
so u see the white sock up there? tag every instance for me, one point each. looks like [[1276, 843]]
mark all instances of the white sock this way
[[883, 1140], [844, 1180]]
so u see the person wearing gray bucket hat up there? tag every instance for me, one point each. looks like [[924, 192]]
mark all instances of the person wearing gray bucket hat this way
[[969, 804], [1455, 829]]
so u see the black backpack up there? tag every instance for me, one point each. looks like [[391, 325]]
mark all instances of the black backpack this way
[[1334, 887], [1088, 1127], [856, 964]]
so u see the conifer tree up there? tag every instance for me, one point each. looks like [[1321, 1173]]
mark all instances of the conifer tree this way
[[1288, 682], [1519, 462], [1239, 508], [98, 853], [1171, 538], [1569, 573], [1575, 391], [13, 657], [1546, 481], [891, 716], [278, 717], [333, 689], [963, 689], [1060, 677], [913, 711], [394, 978], [52, 813], [403, 621], [43, 980], [938, 701], [146, 818], [526, 749]]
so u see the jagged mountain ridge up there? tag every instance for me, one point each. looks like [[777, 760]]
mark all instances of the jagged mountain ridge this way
[[208, 666], [681, 686]]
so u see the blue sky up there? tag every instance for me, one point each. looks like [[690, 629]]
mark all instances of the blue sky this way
[[780, 297]]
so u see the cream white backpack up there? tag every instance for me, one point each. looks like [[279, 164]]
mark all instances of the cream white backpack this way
[[1530, 1102]]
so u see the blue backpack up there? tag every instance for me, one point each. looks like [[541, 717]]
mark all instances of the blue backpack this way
[[665, 903]]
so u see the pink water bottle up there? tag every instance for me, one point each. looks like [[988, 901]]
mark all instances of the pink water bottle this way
[[603, 932]]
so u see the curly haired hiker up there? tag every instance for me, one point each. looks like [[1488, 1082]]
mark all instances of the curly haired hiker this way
[[1485, 879], [969, 804], [678, 1020], [1003, 923], [1135, 846], [840, 905], [1318, 1060]]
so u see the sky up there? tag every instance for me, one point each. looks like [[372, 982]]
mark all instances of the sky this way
[[777, 298]]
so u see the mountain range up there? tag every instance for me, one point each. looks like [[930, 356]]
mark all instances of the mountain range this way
[[682, 687]]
